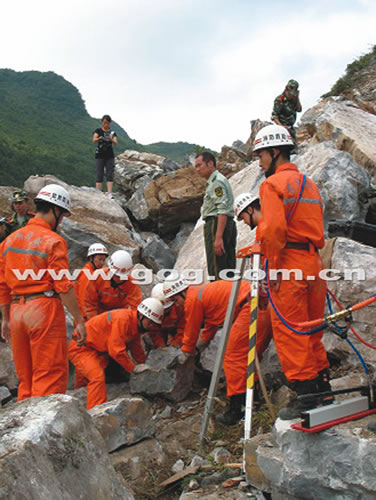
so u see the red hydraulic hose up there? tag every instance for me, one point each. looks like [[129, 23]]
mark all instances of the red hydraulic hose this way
[[365, 303]]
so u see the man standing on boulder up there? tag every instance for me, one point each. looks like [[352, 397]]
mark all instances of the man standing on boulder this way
[[286, 105], [218, 214], [33, 317], [291, 232]]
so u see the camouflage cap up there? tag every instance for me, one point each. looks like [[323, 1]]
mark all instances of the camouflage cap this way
[[293, 83], [19, 195]]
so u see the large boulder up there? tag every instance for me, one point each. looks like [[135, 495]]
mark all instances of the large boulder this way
[[167, 378], [50, 448], [134, 169], [338, 463], [123, 421], [95, 219], [162, 205], [348, 256], [349, 127], [8, 374], [340, 180]]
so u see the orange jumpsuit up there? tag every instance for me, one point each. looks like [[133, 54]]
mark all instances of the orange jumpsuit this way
[[81, 285], [38, 329], [301, 356], [101, 296], [172, 328], [208, 304], [111, 333]]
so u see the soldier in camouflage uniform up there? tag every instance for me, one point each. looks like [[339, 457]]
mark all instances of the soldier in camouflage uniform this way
[[286, 106], [218, 213], [21, 216]]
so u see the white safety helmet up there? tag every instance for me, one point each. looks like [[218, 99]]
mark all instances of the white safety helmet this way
[[152, 309], [120, 263], [171, 288], [97, 249], [272, 136], [56, 195], [242, 202], [157, 293]]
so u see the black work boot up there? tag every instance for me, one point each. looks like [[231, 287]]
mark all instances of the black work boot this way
[[235, 413], [300, 387], [323, 385]]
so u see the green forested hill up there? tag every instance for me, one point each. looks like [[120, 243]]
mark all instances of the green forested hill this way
[[45, 128]]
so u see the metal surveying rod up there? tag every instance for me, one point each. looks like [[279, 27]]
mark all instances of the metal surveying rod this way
[[243, 255]]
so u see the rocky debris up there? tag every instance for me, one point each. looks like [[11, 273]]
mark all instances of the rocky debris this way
[[181, 237], [220, 455], [8, 374], [167, 378], [350, 255], [178, 466], [86, 201], [271, 367], [123, 421], [340, 180], [227, 494], [181, 435], [133, 461], [166, 413], [197, 460], [114, 391], [283, 397], [52, 448], [193, 484], [349, 127], [209, 355], [164, 204], [95, 219], [337, 463], [5, 395], [235, 158], [156, 254], [5, 196], [219, 476], [134, 169]]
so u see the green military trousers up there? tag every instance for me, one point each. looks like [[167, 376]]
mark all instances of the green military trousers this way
[[216, 263]]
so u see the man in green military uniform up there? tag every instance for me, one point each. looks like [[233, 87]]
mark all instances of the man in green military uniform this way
[[286, 106], [218, 214], [21, 216]]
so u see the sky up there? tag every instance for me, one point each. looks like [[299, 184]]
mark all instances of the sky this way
[[179, 70]]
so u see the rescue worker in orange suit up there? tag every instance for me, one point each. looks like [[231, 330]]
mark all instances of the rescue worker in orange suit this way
[[207, 304], [97, 254], [113, 334], [33, 318], [172, 328], [118, 292], [291, 232]]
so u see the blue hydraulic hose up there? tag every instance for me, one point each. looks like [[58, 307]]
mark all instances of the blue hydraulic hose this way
[[347, 340], [308, 332]]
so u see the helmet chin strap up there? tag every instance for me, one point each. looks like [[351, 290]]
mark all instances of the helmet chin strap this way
[[271, 170], [91, 259], [140, 324], [56, 218]]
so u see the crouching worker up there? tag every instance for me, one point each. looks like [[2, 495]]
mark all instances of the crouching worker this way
[[207, 305], [171, 330], [113, 333]]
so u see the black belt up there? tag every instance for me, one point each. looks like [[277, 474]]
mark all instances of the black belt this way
[[296, 245], [49, 294]]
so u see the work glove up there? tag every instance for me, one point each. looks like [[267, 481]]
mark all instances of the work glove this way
[[141, 368], [183, 357], [201, 345]]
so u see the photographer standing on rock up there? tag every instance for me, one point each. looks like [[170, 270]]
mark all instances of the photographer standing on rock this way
[[286, 106], [105, 139]]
